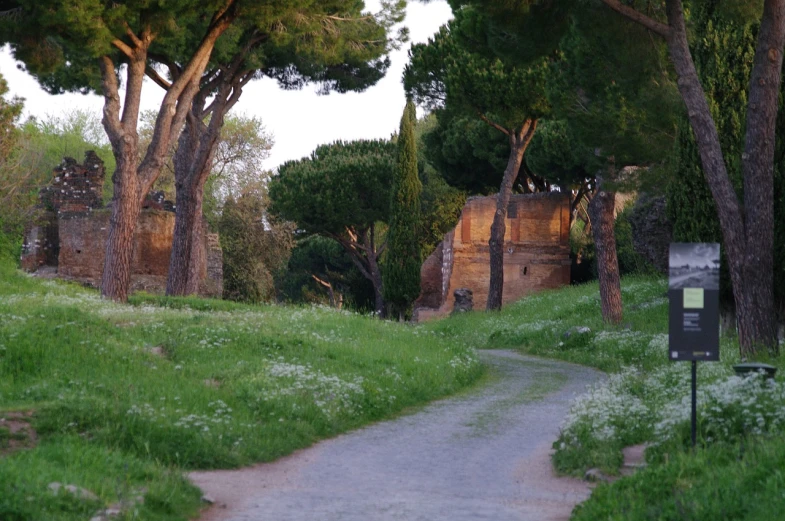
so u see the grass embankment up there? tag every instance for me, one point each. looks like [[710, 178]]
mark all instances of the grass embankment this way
[[126, 397], [737, 473]]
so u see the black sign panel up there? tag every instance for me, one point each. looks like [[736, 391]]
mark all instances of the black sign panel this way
[[694, 292]]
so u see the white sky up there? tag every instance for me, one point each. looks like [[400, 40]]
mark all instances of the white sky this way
[[299, 120]]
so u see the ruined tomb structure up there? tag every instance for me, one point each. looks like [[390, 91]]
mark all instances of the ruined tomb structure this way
[[536, 253], [69, 238]]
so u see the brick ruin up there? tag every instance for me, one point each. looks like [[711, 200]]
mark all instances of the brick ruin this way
[[69, 239], [536, 253]]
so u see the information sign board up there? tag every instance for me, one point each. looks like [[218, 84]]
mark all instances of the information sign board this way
[[694, 293]]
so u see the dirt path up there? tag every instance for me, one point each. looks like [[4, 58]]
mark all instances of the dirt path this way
[[482, 456]]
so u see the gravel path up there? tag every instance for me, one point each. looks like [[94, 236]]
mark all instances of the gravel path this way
[[479, 456]]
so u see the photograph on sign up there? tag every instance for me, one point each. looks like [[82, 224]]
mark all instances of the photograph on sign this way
[[694, 265]]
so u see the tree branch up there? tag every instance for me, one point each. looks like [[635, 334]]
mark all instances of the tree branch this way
[[123, 47], [493, 124], [110, 88], [135, 39], [157, 78], [320, 281], [636, 16]]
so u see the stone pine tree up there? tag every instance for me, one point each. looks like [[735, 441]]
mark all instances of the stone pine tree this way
[[333, 44], [342, 191], [455, 70], [88, 45], [401, 272], [723, 49], [614, 91], [747, 222], [602, 84]]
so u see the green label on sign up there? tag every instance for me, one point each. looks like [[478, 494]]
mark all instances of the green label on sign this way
[[693, 298]]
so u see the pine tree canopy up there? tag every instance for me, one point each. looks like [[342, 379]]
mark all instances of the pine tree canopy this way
[[342, 185], [333, 43]]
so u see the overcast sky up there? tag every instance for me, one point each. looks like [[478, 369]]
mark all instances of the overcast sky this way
[[298, 120]]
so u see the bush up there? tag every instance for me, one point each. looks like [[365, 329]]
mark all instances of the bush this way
[[630, 261], [254, 249]]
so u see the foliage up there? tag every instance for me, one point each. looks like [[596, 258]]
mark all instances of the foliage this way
[[723, 50], [238, 165], [454, 69], [72, 133], [441, 205], [738, 481], [479, 100], [342, 191], [403, 256], [318, 257], [38, 147], [468, 153], [12, 181], [341, 185], [255, 248], [127, 396], [630, 261], [614, 88], [557, 154]]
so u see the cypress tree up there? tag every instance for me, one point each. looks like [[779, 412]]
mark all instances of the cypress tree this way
[[723, 49], [401, 272]]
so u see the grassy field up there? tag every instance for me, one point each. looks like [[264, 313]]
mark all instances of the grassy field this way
[[125, 397]]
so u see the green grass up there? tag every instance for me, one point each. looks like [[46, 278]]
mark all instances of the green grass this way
[[126, 397], [129, 395], [722, 482], [536, 325]]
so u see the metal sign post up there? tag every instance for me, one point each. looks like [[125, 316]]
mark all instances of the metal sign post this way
[[694, 314]]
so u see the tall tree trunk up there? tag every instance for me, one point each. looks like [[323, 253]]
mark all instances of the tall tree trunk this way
[[193, 163], [132, 182], [126, 205], [747, 235], [186, 263], [378, 287], [518, 142], [755, 307], [128, 190], [180, 259], [601, 210]]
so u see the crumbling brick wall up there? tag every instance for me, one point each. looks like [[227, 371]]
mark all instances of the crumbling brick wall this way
[[536, 252], [76, 188], [72, 235]]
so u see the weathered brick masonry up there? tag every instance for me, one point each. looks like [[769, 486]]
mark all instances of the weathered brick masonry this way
[[71, 235], [536, 253]]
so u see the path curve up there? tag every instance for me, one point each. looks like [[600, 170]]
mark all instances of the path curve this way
[[479, 456]]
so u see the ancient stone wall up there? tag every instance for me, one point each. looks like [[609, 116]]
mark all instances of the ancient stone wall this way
[[72, 235], [536, 253], [83, 244], [75, 188]]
